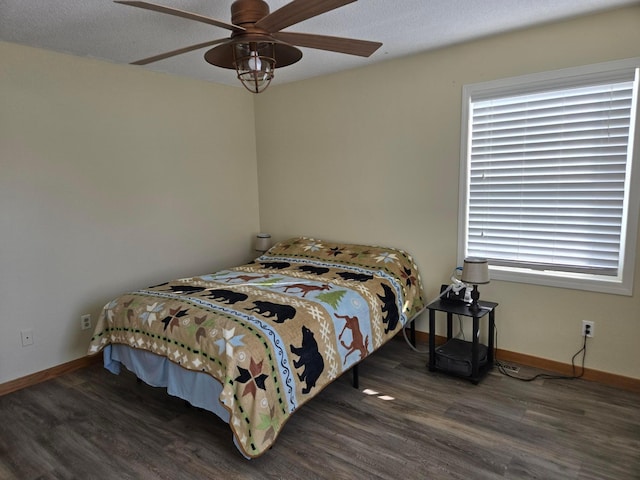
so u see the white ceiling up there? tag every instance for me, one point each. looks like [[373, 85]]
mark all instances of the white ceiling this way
[[122, 34]]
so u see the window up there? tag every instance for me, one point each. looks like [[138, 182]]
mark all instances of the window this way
[[548, 193]]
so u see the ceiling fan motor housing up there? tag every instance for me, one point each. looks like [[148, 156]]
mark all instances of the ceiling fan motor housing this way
[[245, 12]]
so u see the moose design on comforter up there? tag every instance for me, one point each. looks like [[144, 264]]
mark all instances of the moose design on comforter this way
[[273, 332]]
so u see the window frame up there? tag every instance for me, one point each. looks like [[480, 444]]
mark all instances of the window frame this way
[[621, 284]]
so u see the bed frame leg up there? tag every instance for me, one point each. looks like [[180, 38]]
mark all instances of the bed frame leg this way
[[356, 382], [412, 333]]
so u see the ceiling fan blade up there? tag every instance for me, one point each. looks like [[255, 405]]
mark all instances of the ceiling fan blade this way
[[297, 11], [173, 53], [351, 46], [181, 13]]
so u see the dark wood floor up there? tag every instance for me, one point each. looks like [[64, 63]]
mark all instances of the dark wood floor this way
[[91, 424]]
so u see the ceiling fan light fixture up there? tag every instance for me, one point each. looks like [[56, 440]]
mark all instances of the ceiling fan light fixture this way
[[254, 58], [255, 64]]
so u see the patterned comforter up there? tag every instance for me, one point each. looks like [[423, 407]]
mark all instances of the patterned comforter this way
[[273, 332]]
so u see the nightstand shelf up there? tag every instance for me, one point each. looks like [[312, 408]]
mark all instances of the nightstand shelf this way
[[473, 349]]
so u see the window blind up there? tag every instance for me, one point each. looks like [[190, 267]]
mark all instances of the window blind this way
[[548, 177]]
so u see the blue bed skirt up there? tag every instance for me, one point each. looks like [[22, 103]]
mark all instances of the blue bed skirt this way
[[199, 389]]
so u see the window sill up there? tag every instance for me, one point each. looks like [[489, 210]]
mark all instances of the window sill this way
[[592, 283]]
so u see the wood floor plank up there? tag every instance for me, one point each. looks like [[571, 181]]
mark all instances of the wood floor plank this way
[[90, 424]]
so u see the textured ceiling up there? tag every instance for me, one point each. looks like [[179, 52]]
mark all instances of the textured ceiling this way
[[122, 34]]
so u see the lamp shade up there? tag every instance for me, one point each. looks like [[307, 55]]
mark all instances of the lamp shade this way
[[263, 242], [475, 271]]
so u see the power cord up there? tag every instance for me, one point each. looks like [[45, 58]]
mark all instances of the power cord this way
[[546, 376], [404, 332], [460, 329]]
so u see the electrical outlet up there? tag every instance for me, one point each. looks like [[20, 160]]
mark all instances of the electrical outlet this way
[[27, 337], [587, 328], [85, 321]]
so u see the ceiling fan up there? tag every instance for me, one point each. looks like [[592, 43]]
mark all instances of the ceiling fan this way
[[257, 43]]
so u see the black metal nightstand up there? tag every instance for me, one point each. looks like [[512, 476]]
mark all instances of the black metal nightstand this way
[[473, 348]]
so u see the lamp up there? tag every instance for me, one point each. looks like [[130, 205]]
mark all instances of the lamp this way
[[263, 242], [475, 271]]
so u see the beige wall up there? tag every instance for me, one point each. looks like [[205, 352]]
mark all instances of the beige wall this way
[[372, 155], [96, 159], [111, 178]]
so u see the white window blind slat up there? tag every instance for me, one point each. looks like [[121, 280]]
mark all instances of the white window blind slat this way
[[489, 113]]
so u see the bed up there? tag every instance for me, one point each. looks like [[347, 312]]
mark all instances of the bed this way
[[255, 342]]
